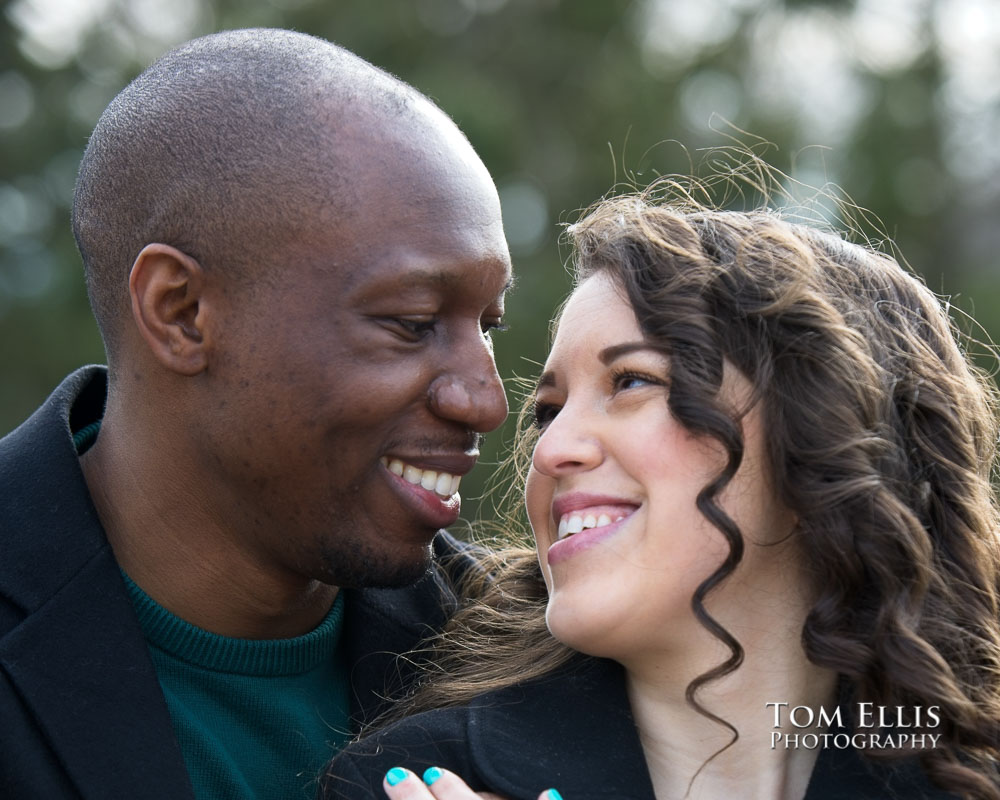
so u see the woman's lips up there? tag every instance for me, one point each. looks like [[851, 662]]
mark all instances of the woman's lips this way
[[573, 522], [586, 520]]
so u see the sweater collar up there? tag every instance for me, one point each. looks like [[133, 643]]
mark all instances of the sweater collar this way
[[259, 657]]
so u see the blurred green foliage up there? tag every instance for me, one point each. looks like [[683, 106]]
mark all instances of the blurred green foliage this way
[[899, 104]]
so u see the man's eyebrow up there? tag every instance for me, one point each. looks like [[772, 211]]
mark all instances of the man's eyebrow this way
[[425, 277], [434, 276], [616, 351]]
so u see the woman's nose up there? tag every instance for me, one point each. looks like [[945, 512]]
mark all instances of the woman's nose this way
[[569, 443]]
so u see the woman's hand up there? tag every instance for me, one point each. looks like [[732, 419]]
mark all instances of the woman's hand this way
[[438, 784]]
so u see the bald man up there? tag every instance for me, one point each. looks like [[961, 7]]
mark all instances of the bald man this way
[[295, 261]]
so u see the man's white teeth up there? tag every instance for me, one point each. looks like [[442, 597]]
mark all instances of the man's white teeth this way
[[574, 523], [443, 484]]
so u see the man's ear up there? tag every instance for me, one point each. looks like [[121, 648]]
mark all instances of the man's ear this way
[[167, 288]]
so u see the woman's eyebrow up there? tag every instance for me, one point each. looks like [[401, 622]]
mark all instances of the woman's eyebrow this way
[[616, 351], [606, 356], [546, 379]]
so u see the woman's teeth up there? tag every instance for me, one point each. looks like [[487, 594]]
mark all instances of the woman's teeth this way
[[442, 484], [574, 523]]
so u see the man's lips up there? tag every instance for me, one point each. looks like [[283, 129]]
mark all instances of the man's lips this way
[[427, 484], [440, 474]]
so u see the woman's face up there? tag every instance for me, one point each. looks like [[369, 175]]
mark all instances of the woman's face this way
[[612, 488]]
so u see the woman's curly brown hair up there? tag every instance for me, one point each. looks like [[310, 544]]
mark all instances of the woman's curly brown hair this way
[[881, 438]]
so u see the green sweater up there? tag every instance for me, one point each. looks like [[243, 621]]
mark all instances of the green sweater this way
[[254, 718]]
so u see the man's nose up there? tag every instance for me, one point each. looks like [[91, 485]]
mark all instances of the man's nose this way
[[470, 392]]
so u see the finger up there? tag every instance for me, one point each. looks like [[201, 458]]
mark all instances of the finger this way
[[447, 785], [401, 784], [439, 784]]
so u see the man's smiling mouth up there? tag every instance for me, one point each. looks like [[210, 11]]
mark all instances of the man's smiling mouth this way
[[443, 484]]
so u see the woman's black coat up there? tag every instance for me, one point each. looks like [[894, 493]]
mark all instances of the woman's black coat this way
[[572, 731]]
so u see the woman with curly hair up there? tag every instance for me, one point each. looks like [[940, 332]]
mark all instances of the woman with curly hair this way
[[767, 543]]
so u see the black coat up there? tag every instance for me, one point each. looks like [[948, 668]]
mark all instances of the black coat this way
[[572, 731], [81, 710]]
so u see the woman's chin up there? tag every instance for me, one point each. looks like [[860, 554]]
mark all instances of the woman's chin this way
[[593, 633]]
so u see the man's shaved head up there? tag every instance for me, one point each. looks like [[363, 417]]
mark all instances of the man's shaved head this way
[[225, 148], [295, 260]]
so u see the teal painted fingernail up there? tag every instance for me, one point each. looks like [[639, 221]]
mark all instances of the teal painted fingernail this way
[[431, 775], [554, 795], [395, 775]]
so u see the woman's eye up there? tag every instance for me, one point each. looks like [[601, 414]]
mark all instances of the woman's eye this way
[[544, 413], [634, 380], [630, 382]]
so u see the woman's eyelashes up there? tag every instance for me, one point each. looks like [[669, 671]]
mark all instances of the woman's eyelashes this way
[[623, 379], [619, 380], [543, 413]]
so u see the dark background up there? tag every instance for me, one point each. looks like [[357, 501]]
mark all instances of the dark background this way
[[895, 101]]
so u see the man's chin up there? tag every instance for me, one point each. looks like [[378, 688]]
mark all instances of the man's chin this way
[[370, 569]]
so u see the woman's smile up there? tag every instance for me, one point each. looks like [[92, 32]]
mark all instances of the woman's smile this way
[[612, 494]]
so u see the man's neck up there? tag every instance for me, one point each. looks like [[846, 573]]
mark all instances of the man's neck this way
[[181, 555]]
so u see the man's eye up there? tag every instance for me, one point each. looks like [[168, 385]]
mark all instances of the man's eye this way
[[415, 328], [493, 326]]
